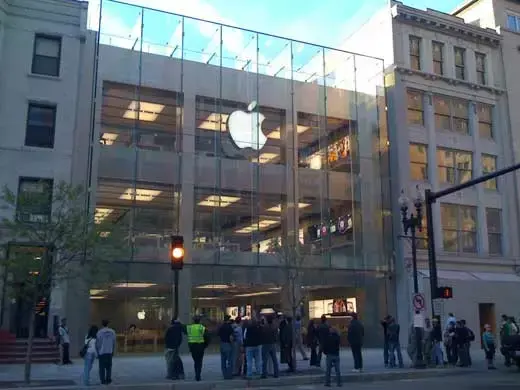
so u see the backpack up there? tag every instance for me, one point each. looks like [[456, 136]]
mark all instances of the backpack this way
[[471, 335]]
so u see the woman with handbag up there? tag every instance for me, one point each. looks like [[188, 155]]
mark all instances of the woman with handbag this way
[[89, 353]]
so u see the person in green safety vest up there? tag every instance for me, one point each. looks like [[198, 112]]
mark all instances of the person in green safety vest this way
[[197, 342]]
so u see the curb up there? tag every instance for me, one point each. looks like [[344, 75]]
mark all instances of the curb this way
[[263, 383]]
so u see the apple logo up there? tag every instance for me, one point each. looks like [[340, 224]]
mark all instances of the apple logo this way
[[245, 128], [141, 315]]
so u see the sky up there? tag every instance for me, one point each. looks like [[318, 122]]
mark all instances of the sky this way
[[327, 22]]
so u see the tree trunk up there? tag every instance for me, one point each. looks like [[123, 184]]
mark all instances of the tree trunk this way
[[30, 341]]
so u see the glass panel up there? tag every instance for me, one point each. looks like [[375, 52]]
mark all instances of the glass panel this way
[[441, 105], [41, 116], [449, 240], [489, 165], [449, 217], [459, 56], [468, 215], [437, 51], [47, 47], [468, 242], [495, 244], [418, 162], [494, 220], [512, 22]]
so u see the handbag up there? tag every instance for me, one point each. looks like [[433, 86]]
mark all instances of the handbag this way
[[84, 350]]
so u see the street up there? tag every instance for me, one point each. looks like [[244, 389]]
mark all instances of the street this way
[[500, 380]]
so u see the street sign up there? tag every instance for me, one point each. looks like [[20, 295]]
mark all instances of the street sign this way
[[418, 302]]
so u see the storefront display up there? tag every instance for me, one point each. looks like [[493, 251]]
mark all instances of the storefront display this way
[[332, 307]]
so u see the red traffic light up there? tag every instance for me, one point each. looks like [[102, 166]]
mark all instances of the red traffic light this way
[[445, 292], [177, 252]]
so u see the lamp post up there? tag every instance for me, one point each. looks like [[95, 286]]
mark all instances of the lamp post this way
[[411, 223]]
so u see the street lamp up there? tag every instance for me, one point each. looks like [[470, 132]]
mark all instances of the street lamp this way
[[411, 223]]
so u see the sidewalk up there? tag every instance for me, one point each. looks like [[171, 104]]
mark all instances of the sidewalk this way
[[150, 369]]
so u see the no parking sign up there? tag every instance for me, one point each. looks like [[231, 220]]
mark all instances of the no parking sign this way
[[418, 302]]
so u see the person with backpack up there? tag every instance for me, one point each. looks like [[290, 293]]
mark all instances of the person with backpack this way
[[471, 337], [394, 344], [89, 353]]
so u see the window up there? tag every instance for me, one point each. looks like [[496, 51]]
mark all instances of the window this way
[[460, 67], [480, 60], [451, 114], [513, 22], [438, 57], [41, 123], [415, 108], [454, 166], [418, 162], [415, 53], [34, 202], [459, 228], [485, 120], [489, 165], [494, 231], [46, 55]]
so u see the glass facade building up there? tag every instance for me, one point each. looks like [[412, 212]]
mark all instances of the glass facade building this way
[[241, 142]]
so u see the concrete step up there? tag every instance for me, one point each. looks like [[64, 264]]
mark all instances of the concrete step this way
[[35, 360]]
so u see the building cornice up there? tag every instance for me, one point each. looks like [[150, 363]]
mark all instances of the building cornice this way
[[447, 24], [449, 80]]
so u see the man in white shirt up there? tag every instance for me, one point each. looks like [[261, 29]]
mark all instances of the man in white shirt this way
[[64, 342], [451, 319]]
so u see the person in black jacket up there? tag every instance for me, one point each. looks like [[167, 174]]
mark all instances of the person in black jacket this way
[[269, 347], [312, 342], [462, 340], [436, 337], [331, 350], [172, 342], [252, 343], [386, 346], [323, 331], [286, 343], [355, 335]]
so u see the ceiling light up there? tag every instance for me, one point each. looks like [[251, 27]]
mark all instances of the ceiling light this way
[[206, 298], [97, 297], [141, 194], [134, 285], [263, 224], [256, 294], [109, 138], [214, 122], [143, 111], [218, 201], [278, 208], [101, 213], [265, 158], [96, 291], [153, 298], [214, 286], [275, 134]]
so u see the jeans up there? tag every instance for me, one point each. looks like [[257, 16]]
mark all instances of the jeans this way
[[463, 352], [437, 355], [394, 347], [171, 356], [226, 360], [358, 357], [105, 368], [299, 346], [269, 352], [237, 358], [65, 353], [332, 361], [253, 353], [386, 347], [88, 363]]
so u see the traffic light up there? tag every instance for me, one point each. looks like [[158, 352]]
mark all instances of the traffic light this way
[[177, 252], [445, 292]]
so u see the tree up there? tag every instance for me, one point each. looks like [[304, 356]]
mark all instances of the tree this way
[[292, 262], [51, 237]]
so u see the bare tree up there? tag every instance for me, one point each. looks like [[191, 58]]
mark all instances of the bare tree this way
[[51, 238], [292, 262]]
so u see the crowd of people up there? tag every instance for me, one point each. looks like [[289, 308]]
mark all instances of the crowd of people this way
[[257, 348], [250, 348]]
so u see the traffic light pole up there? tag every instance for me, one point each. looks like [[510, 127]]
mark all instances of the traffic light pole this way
[[431, 197], [176, 294]]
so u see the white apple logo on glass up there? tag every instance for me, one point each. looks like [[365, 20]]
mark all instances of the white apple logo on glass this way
[[245, 128], [141, 315]]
